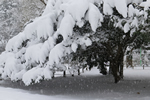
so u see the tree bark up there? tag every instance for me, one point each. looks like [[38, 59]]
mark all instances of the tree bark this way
[[110, 68], [115, 71], [64, 73], [117, 64], [121, 66], [78, 71]]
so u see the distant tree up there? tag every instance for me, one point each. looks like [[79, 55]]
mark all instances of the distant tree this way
[[13, 16]]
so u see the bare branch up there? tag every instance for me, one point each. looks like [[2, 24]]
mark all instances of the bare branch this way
[[43, 2]]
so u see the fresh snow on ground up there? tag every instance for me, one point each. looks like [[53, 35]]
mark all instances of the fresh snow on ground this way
[[90, 85]]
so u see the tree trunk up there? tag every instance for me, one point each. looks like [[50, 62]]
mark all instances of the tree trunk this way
[[78, 71], [115, 71], [43, 2], [64, 73], [53, 74], [121, 66], [117, 65], [110, 68]]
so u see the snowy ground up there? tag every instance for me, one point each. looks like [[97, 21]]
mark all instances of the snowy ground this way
[[88, 86]]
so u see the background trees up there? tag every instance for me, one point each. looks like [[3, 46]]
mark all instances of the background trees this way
[[13, 16]]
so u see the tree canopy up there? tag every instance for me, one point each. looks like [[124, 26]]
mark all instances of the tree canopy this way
[[89, 32]]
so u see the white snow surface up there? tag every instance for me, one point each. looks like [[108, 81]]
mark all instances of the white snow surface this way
[[77, 9], [42, 27], [56, 53], [34, 75], [91, 85], [135, 22], [66, 26], [121, 6], [107, 9], [15, 43], [74, 47], [94, 16], [126, 27]]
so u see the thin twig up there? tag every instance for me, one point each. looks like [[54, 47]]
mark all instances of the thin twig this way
[[43, 2]]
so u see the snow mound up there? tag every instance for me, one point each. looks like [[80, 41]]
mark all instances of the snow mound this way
[[94, 17], [66, 26], [56, 53], [32, 54], [134, 22], [74, 47], [4, 56], [34, 75], [77, 9], [41, 28], [10, 67], [15, 43], [121, 6], [37, 74], [126, 27], [107, 9]]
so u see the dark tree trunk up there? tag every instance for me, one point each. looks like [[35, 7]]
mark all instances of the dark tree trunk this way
[[78, 71], [115, 71], [117, 65], [64, 73], [110, 68], [121, 66], [53, 75], [102, 68]]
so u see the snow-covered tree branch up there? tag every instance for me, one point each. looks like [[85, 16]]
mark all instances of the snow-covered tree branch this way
[[71, 27]]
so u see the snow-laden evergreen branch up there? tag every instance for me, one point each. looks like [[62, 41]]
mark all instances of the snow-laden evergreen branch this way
[[34, 54]]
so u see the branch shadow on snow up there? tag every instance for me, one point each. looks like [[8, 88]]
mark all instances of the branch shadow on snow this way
[[64, 85], [96, 86]]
